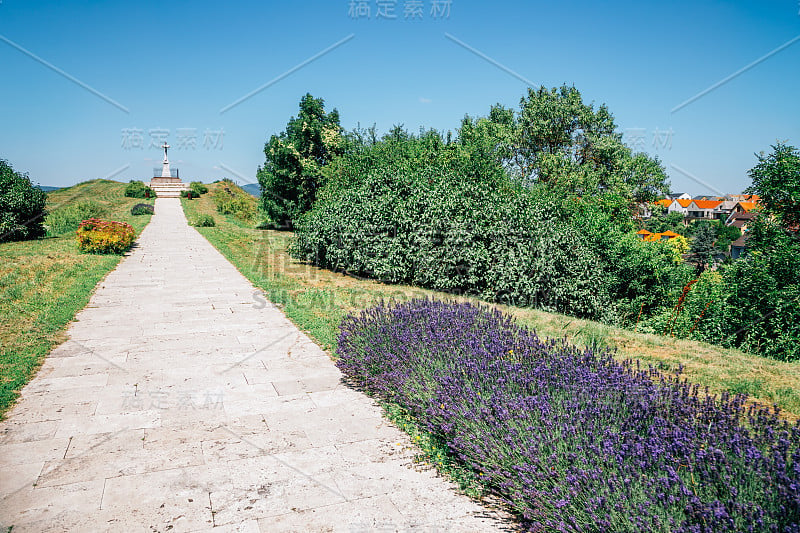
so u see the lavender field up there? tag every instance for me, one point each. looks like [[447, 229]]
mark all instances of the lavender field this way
[[570, 439]]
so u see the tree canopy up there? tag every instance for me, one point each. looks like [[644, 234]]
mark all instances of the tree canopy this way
[[22, 206], [557, 140], [295, 160], [776, 179]]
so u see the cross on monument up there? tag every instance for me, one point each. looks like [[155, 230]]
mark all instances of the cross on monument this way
[[165, 146]]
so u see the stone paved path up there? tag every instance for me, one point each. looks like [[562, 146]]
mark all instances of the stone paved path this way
[[177, 405]]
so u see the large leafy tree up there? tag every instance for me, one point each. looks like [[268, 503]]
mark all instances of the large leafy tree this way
[[22, 206], [558, 141], [294, 169], [776, 178]]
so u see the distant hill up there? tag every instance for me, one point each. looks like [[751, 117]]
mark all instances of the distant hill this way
[[253, 189], [47, 188]]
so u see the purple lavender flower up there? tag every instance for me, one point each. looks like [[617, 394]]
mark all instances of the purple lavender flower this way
[[571, 439]]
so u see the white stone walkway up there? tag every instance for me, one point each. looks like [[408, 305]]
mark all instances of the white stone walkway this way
[[178, 405]]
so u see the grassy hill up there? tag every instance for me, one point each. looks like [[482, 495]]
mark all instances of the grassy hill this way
[[316, 300], [43, 283]]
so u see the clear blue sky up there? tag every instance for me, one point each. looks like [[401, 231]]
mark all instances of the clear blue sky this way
[[175, 65]]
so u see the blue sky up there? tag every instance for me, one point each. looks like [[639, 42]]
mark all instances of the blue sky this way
[[175, 65]]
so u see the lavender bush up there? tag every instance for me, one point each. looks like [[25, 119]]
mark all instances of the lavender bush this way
[[571, 439]]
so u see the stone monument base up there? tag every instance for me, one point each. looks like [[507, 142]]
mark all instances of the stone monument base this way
[[159, 181], [168, 187]]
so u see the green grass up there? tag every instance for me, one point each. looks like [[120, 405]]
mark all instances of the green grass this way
[[316, 300], [43, 283]]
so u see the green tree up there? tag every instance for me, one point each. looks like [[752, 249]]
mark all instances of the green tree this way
[[776, 179], [22, 206], [294, 169], [558, 141], [703, 247]]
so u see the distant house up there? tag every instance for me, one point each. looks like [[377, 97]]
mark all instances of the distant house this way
[[664, 202], [738, 247], [645, 211], [679, 205], [745, 207], [679, 196], [667, 235], [724, 210], [702, 209], [744, 197], [713, 198], [650, 237], [740, 220]]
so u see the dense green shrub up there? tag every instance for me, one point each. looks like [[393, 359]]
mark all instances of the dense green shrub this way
[[67, 218], [204, 221], [442, 225], [22, 206], [142, 209], [137, 189], [529, 207], [197, 188], [104, 236]]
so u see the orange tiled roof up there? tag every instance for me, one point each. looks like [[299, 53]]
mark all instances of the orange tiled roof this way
[[643, 232], [683, 203], [707, 204], [664, 201], [748, 206], [658, 236]]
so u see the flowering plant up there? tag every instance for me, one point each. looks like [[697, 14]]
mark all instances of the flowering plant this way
[[104, 236], [569, 438]]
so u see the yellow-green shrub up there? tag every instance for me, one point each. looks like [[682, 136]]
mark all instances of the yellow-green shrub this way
[[104, 236]]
